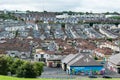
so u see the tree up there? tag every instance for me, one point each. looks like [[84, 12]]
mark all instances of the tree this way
[[27, 70], [9, 60], [107, 13], [45, 11], [38, 67], [91, 24], [7, 16], [70, 13], [87, 13], [110, 39], [63, 25], [16, 33], [3, 66], [96, 58], [22, 19], [116, 13], [19, 67], [38, 21], [116, 24], [15, 65], [28, 11]]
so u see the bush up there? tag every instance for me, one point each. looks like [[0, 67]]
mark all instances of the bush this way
[[38, 67], [96, 58], [63, 25], [3, 66], [27, 71], [19, 67], [15, 65], [9, 60], [110, 39]]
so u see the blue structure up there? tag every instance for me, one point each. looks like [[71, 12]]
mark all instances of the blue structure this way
[[84, 63], [85, 69]]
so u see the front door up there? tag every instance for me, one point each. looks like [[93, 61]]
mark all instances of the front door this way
[[119, 70], [65, 66], [50, 64], [58, 65]]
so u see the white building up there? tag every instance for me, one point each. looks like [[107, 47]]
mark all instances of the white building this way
[[41, 55], [22, 54], [21, 28], [107, 33], [62, 16], [111, 46], [111, 15], [114, 63]]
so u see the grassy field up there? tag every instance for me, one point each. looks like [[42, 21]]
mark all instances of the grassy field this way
[[14, 78]]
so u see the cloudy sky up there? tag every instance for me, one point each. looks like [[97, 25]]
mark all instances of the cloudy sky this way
[[62, 5]]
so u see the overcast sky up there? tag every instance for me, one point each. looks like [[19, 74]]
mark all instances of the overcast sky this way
[[62, 5]]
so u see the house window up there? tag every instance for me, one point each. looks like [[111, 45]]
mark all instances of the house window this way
[[42, 56], [36, 55], [51, 56], [12, 53]]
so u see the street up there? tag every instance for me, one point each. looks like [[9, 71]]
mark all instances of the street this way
[[59, 73]]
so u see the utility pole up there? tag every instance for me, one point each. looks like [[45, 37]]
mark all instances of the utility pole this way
[[31, 49]]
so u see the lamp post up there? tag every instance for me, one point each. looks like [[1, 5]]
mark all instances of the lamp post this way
[[31, 49]]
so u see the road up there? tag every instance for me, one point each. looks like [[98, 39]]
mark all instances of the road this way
[[55, 73], [59, 73]]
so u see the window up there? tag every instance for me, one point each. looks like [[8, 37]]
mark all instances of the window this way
[[12, 53], [42, 56], [51, 56], [36, 55]]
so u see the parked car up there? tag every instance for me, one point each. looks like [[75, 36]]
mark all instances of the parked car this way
[[92, 76], [102, 62], [106, 76]]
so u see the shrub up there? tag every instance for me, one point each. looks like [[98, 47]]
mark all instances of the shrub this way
[[110, 39], [27, 71], [96, 58], [10, 61], [3, 66], [19, 67], [38, 67], [15, 65]]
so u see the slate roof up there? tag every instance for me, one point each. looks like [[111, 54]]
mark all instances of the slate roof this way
[[115, 59], [105, 51], [84, 60], [68, 58], [55, 59]]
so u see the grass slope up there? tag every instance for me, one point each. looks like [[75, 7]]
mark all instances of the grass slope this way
[[14, 78]]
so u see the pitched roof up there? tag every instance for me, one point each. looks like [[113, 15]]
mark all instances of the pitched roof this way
[[55, 59], [115, 59], [70, 51], [86, 45], [68, 58], [105, 51], [84, 60], [15, 45]]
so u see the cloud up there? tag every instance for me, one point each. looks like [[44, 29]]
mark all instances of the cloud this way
[[62, 5]]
